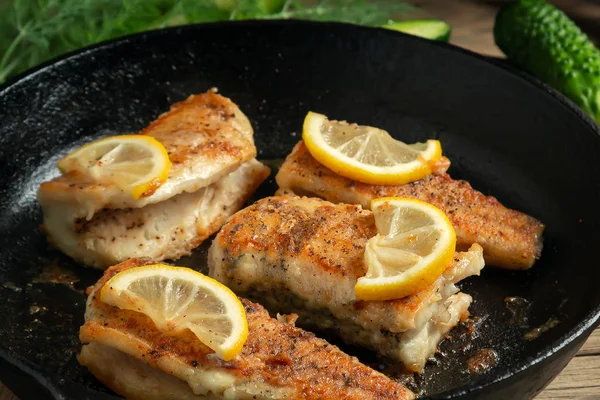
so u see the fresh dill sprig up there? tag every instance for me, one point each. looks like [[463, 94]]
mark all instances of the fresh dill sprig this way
[[33, 31]]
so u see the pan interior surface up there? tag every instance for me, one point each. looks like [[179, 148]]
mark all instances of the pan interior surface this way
[[505, 135]]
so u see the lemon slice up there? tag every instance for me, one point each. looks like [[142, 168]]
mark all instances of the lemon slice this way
[[367, 154], [414, 245], [178, 298], [135, 163]]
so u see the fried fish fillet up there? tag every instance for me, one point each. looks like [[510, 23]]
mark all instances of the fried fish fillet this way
[[165, 230], [211, 148], [510, 239], [206, 136], [126, 352], [306, 254]]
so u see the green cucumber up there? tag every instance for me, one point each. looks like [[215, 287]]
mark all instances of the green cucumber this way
[[541, 39], [433, 29]]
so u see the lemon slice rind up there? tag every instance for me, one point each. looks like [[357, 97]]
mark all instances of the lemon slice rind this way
[[173, 317], [410, 272], [146, 169], [425, 154]]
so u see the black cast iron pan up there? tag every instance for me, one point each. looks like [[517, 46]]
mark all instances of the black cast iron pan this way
[[508, 135]]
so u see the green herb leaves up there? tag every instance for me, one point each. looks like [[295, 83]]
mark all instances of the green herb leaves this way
[[33, 31]]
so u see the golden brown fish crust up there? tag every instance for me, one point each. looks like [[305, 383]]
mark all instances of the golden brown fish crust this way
[[209, 115], [510, 239], [276, 354]]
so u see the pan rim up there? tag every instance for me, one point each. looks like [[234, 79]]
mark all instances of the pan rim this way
[[582, 328]]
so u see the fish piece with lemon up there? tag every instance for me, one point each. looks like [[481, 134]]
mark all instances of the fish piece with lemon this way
[[308, 256], [158, 193], [156, 331]]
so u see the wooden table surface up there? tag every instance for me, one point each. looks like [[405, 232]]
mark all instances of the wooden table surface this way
[[472, 23]]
